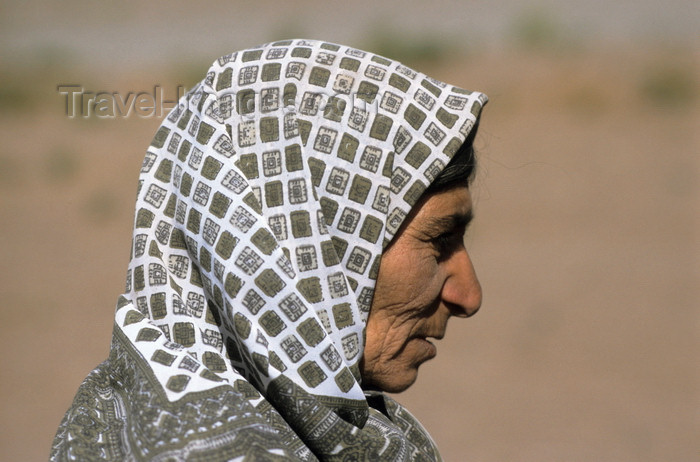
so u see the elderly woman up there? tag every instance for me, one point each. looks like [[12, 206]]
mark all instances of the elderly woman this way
[[297, 242]]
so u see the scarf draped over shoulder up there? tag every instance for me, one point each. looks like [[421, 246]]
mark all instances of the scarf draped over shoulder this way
[[264, 203]]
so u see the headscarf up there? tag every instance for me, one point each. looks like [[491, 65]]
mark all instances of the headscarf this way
[[264, 204]]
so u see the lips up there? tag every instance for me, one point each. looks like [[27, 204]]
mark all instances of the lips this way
[[436, 336], [431, 349]]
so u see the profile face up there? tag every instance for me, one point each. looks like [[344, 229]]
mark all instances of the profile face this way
[[425, 276]]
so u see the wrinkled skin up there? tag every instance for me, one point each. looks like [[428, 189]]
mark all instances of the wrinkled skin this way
[[425, 277]]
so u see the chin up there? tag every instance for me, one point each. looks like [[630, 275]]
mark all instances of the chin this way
[[395, 382]]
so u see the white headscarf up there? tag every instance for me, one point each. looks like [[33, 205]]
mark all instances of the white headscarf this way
[[264, 204]]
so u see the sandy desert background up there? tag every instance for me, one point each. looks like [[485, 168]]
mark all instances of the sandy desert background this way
[[587, 232]]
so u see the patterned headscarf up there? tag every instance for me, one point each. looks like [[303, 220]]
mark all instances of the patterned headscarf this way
[[264, 204]]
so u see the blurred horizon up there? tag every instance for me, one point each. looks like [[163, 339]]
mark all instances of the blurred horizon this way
[[157, 32]]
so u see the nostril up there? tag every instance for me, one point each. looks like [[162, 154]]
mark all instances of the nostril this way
[[457, 311], [463, 298]]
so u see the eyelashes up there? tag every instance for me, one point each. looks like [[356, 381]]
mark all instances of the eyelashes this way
[[442, 241], [447, 243]]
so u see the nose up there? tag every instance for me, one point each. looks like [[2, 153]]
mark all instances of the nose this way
[[461, 290]]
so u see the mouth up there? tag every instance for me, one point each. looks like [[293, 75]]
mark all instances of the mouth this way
[[436, 336], [425, 340], [430, 348]]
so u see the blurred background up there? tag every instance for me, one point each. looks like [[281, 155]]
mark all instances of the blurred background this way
[[587, 200]]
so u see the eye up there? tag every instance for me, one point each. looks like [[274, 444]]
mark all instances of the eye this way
[[447, 243]]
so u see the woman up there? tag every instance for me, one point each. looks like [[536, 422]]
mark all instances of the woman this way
[[297, 240]]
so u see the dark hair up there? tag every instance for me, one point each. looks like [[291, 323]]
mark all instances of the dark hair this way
[[461, 168]]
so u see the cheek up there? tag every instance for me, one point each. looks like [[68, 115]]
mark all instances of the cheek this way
[[413, 298], [408, 286], [422, 285], [418, 275], [405, 292]]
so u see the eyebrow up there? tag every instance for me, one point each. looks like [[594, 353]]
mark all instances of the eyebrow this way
[[438, 225]]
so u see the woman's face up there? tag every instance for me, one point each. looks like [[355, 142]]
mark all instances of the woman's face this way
[[425, 277]]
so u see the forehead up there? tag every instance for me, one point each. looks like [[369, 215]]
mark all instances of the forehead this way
[[452, 202]]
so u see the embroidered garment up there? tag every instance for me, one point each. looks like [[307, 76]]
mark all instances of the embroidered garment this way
[[264, 204]]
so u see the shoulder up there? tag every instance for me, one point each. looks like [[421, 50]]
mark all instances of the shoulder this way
[[113, 420]]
